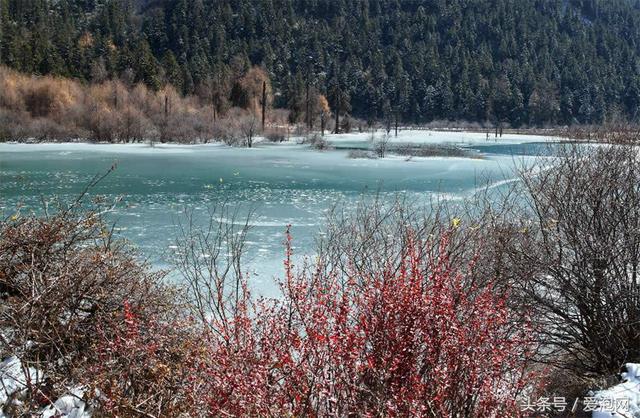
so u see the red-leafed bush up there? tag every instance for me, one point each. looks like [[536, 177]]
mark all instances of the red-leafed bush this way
[[143, 365], [415, 341], [415, 338]]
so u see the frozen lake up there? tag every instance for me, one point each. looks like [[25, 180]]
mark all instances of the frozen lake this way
[[284, 184]]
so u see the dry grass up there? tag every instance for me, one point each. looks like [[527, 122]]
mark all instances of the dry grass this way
[[614, 133]]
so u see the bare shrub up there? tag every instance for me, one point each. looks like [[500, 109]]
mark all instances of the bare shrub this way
[[11, 126], [227, 131], [583, 255], [279, 118], [380, 144], [429, 150], [148, 102], [371, 235], [249, 126], [209, 257], [102, 123], [234, 127], [274, 135], [333, 343], [40, 99], [45, 129], [616, 132], [144, 365], [358, 153], [179, 127], [62, 278], [133, 125], [317, 142], [11, 96]]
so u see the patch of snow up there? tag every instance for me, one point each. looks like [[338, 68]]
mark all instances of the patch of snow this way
[[621, 400], [14, 378], [406, 136], [444, 137], [412, 158], [68, 406], [66, 148]]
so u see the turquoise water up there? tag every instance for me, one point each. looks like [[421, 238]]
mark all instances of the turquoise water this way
[[282, 184]]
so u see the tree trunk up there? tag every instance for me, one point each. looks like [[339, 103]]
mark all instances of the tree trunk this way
[[115, 96], [166, 107], [307, 115], [163, 136], [337, 130], [214, 103], [264, 102], [396, 124], [322, 123]]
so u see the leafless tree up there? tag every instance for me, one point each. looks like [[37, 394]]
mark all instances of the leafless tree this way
[[380, 144], [249, 127]]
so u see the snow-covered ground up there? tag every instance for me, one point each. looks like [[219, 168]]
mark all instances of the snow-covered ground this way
[[443, 137], [408, 136], [621, 400], [70, 405], [14, 379], [134, 148]]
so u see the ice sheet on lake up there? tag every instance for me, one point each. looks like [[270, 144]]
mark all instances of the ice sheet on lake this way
[[284, 183]]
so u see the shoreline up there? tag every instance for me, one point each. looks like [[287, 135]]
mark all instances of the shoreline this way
[[411, 136]]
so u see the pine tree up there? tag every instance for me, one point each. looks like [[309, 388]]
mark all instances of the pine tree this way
[[429, 60]]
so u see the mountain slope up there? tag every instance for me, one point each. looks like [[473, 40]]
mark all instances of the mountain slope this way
[[517, 61]]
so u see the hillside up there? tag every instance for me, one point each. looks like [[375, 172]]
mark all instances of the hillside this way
[[520, 62]]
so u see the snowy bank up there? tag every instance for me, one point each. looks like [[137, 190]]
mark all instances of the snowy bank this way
[[621, 400], [444, 137], [404, 137], [131, 148]]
